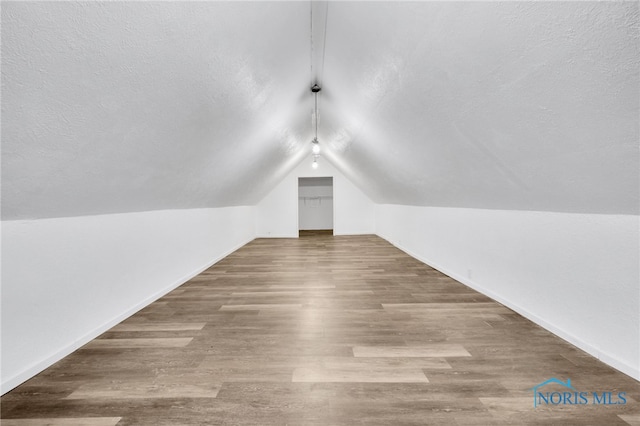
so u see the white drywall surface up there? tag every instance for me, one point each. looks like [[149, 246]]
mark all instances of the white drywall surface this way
[[277, 213], [115, 107], [67, 280], [111, 107], [512, 105], [575, 274]]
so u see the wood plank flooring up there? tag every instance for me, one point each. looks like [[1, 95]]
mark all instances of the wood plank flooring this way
[[320, 330]]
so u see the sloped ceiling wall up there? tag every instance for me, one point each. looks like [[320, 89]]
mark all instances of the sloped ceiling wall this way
[[133, 106], [516, 105]]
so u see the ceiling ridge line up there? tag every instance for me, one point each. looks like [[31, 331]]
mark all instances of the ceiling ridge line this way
[[324, 44]]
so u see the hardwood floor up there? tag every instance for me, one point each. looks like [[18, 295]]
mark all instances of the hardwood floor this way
[[321, 330]]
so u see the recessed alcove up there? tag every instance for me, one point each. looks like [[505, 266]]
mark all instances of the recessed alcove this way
[[315, 204]]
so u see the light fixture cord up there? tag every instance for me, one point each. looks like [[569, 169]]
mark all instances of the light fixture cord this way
[[316, 113], [324, 43], [319, 67]]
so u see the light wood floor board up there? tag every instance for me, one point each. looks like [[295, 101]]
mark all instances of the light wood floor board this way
[[161, 342], [436, 350], [396, 363], [320, 330], [632, 419], [260, 307], [352, 375], [84, 421], [144, 392], [159, 326]]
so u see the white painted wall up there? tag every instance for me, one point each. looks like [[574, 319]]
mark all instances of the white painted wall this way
[[277, 213], [315, 204], [577, 275], [67, 280]]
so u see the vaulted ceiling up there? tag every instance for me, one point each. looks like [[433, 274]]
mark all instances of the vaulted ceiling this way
[[133, 106]]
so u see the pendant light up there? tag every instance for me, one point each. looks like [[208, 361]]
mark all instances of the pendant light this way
[[315, 145]]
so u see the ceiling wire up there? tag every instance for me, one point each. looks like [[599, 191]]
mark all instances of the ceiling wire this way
[[317, 72], [311, 39], [311, 61], [324, 42]]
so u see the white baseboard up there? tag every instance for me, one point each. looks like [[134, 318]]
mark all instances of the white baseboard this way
[[38, 367], [353, 233], [296, 235], [629, 370], [278, 236]]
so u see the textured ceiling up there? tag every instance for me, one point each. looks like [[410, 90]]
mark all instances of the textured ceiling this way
[[132, 106], [516, 105]]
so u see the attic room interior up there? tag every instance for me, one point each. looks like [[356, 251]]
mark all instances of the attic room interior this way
[[320, 213]]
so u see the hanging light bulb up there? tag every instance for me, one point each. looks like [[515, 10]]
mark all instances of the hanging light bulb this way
[[315, 146], [315, 162]]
